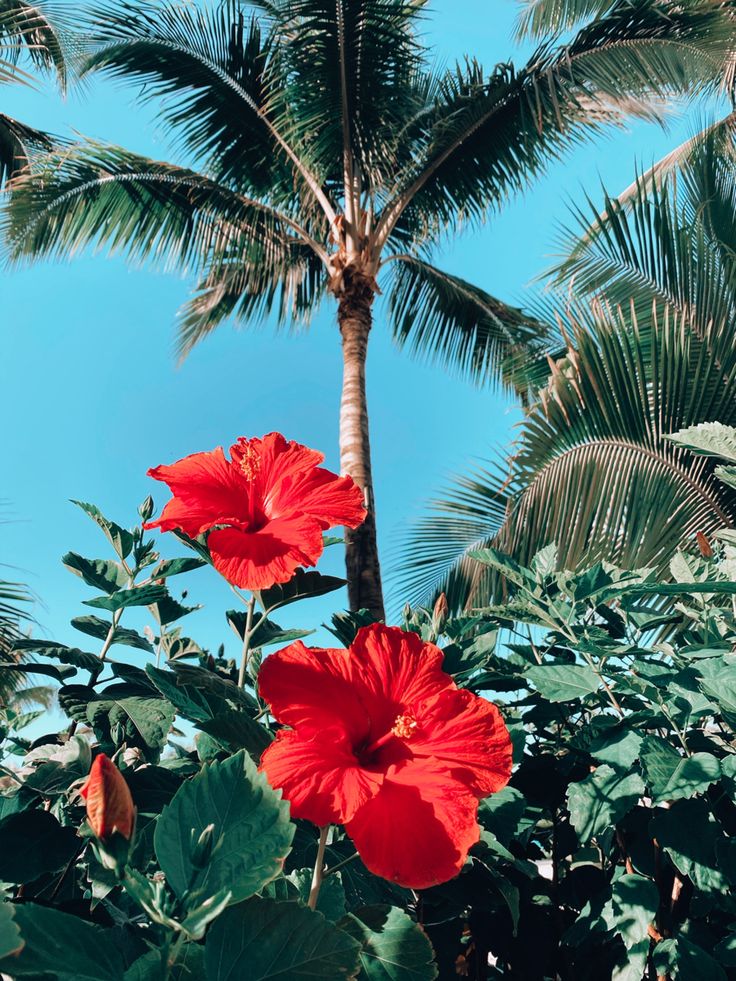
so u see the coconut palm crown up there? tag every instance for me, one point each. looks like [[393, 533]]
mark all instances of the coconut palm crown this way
[[331, 158]]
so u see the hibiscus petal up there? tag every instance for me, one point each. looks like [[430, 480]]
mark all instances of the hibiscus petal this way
[[332, 500], [418, 828], [394, 671], [257, 560], [468, 734], [207, 491], [308, 688], [319, 777]]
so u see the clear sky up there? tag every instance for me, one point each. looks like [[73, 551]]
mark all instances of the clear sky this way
[[92, 396]]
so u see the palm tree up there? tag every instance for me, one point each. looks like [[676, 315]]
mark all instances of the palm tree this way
[[330, 159], [650, 350], [25, 30]]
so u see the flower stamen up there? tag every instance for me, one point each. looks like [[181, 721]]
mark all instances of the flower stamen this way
[[250, 461], [404, 727]]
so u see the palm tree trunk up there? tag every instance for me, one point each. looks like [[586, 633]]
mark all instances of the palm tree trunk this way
[[361, 553]]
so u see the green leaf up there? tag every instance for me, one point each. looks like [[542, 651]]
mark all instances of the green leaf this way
[[49, 670], [302, 585], [708, 438], [120, 539], [60, 652], [33, 842], [188, 701], [100, 573], [138, 596], [393, 946], [265, 632], [563, 682], [66, 947], [252, 832], [11, 941], [671, 776], [689, 834], [601, 800], [167, 610], [686, 961], [95, 627], [715, 586], [331, 899], [263, 939], [634, 902], [150, 718], [174, 567], [502, 563], [235, 729]]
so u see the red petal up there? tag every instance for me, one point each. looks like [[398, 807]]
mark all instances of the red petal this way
[[309, 688], [418, 828], [394, 672], [332, 500], [207, 491], [466, 733], [320, 777], [257, 560], [109, 803]]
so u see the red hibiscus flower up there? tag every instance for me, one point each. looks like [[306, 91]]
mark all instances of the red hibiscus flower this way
[[383, 741], [110, 806], [265, 508]]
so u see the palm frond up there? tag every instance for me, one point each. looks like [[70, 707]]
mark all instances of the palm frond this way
[[353, 70], [96, 195], [444, 318], [18, 143], [489, 135], [670, 240], [540, 18], [591, 469], [37, 31]]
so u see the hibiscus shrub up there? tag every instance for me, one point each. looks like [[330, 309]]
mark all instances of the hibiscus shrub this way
[[345, 813]]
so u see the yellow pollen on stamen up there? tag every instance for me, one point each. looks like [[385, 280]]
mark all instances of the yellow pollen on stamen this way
[[405, 726], [250, 463]]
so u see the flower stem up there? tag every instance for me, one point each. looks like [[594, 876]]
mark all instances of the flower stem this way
[[319, 868], [246, 641], [339, 865]]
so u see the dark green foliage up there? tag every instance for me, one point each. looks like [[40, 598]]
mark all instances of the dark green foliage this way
[[609, 856]]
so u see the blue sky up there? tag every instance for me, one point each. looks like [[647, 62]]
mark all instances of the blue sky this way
[[92, 396]]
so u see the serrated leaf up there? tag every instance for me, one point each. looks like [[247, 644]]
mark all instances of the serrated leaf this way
[[393, 946], [263, 939], [601, 800], [302, 585], [123, 598], [60, 652], [189, 702], [671, 776], [502, 563], [235, 729], [99, 573], [174, 567], [252, 832], [331, 899], [563, 682], [120, 539], [64, 946], [168, 610], [152, 718], [708, 438], [685, 961], [265, 632], [95, 627], [48, 670]]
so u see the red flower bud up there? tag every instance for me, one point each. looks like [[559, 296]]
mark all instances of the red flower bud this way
[[704, 545], [110, 806]]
